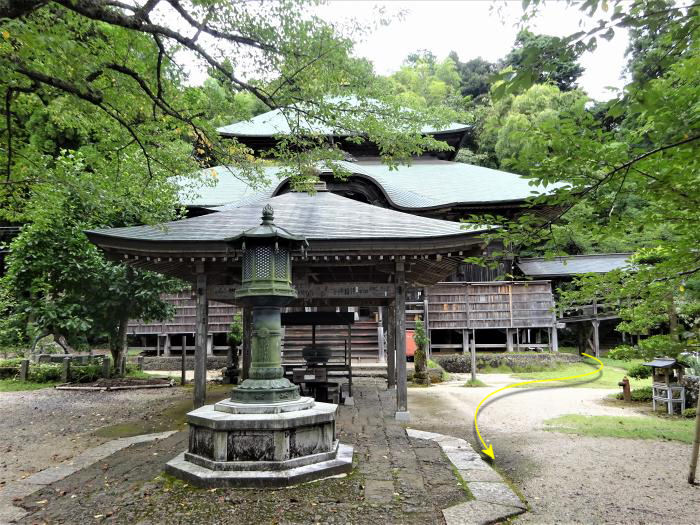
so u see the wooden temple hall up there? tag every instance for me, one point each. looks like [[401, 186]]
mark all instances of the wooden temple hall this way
[[381, 218]]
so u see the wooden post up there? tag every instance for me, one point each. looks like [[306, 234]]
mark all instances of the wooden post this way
[[554, 339], [23, 369], [426, 322], [166, 345], [401, 384], [200, 346], [509, 340], [391, 346], [157, 345], [247, 341], [473, 355], [183, 359], [596, 338], [105, 366], [696, 445]]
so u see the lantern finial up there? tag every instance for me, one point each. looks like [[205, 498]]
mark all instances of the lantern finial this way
[[268, 214]]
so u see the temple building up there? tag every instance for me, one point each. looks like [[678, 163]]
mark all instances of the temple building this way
[[434, 186]]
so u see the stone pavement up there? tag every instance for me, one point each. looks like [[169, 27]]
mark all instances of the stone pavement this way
[[397, 479]]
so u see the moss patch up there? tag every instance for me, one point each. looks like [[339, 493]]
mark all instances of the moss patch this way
[[656, 428]]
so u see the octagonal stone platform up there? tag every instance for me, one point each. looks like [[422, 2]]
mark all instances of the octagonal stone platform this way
[[256, 445]]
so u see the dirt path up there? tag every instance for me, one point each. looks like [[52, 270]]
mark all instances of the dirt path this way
[[41, 428], [566, 478]]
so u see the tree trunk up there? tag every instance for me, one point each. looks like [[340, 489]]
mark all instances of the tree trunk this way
[[117, 343], [63, 343]]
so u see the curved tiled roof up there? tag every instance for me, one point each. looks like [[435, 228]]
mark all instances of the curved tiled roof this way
[[322, 216], [275, 123], [425, 184], [574, 264]]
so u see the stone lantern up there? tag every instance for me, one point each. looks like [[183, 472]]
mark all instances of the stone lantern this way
[[266, 287], [266, 434]]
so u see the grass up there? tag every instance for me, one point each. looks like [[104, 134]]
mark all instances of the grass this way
[[474, 383], [656, 428], [12, 385], [612, 373]]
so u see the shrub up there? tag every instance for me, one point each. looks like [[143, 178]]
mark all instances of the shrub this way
[[692, 363], [640, 395], [44, 373], [85, 373], [639, 371], [690, 412], [656, 345], [8, 363]]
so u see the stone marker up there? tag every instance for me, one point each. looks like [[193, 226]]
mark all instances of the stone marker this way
[[65, 371], [23, 369], [106, 362]]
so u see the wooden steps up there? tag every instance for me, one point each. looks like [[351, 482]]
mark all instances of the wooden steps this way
[[365, 343]]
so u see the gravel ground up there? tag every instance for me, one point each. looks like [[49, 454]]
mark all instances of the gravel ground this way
[[565, 478], [42, 428]]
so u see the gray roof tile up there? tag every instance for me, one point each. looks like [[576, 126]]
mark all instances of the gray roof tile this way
[[320, 216], [573, 265]]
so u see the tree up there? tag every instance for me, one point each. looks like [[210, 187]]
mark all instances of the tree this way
[[641, 172], [420, 374], [549, 59], [425, 82], [58, 283], [121, 60], [475, 76], [508, 123]]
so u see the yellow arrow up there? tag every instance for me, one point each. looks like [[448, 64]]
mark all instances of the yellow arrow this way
[[489, 450]]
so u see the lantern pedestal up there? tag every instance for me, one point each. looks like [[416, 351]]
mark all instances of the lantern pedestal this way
[[266, 435], [261, 445]]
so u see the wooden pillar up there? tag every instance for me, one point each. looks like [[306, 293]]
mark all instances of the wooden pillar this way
[[200, 345], [509, 340], [554, 339], [158, 345], [401, 384], [247, 341], [473, 355], [183, 361], [391, 346], [166, 346], [596, 337], [426, 322], [210, 344], [380, 337]]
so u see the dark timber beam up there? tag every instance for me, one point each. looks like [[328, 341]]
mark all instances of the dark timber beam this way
[[391, 346], [201, 337], [401, 384]]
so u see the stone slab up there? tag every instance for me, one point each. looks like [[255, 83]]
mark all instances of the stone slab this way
[[379, 491], [202, 477], [463, 460], [208, 417], [491, 492], [9, 513], [402, 416], [480, 475], [233, 407], [478, 513]]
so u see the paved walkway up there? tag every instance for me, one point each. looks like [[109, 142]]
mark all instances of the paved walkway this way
[[396, 480]]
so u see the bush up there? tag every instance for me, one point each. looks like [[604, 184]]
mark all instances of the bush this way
[[656, 345], [690, 412], [9, 363], [639, 395], [85, 373], [506, 363], [44, 373], [639, 371]]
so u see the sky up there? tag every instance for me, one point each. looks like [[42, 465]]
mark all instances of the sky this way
[[473, 29]]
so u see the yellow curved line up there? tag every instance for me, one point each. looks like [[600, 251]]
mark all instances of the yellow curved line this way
[[476, 425]]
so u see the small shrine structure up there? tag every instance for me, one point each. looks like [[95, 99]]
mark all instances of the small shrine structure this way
[[667, 374]]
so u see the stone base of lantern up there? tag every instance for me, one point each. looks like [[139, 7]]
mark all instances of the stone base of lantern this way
[[276, 445]]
